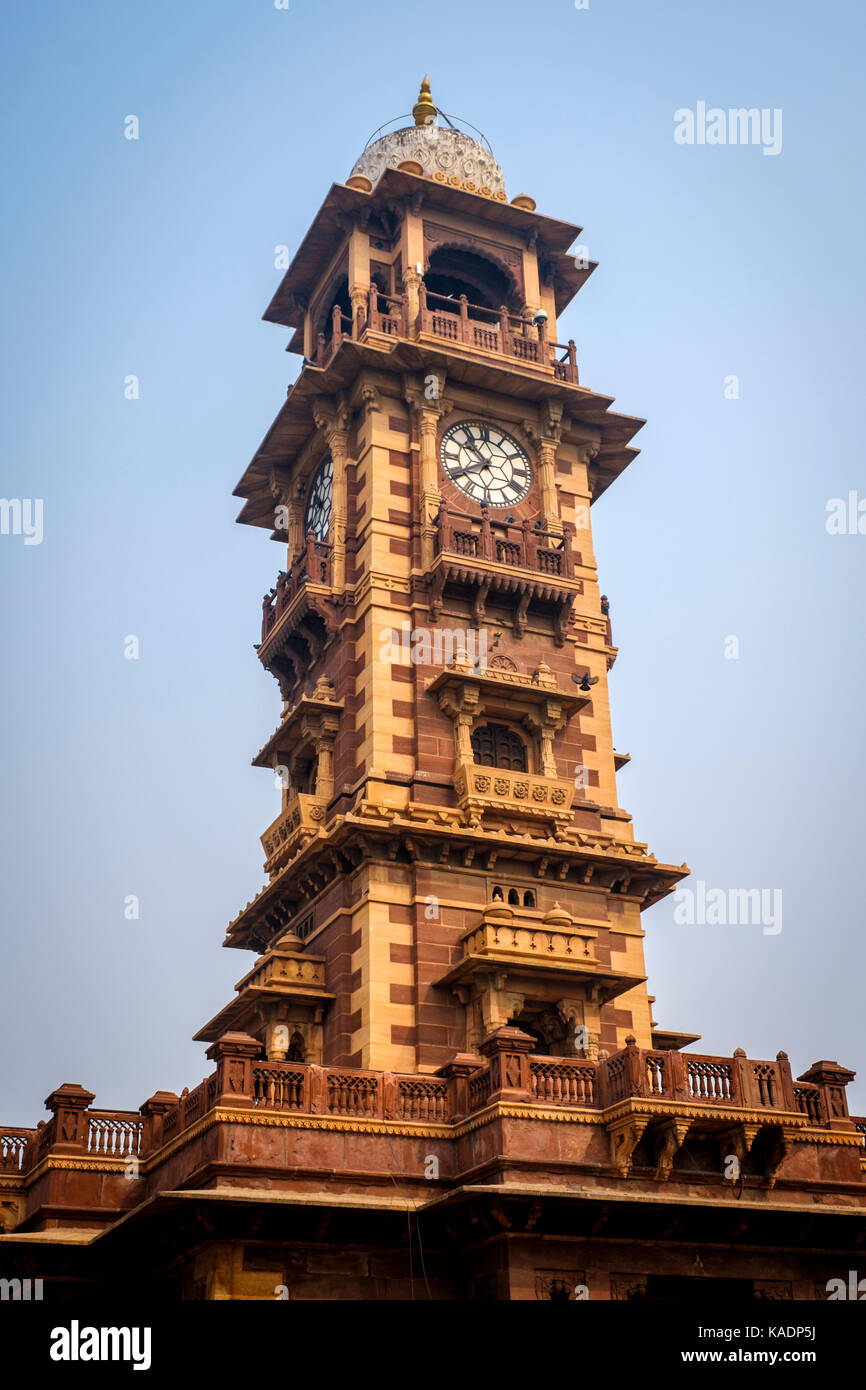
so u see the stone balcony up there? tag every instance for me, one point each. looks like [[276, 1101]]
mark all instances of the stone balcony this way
[[521, 565], [300, 821], [504, 935], [482, 789], [516, 962], [621, 1118], [312, 566], [454, 323]]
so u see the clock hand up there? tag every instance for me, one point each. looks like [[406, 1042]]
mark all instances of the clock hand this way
[[475, 468]]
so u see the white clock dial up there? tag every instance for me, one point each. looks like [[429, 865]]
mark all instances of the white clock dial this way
[[486, 463], [318, 517]]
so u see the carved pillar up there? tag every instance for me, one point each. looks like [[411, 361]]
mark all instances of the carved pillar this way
[[325, 756], [546, 723], [428, 425], [412, 253], [507, 1051], [427, 405], [546, 432], [69, 1104], [530, 273], [463, 706], [411, 289], [234, 1054], [832, 1080], [359, 275]]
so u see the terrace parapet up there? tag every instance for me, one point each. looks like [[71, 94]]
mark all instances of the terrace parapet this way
[[647, 1101]]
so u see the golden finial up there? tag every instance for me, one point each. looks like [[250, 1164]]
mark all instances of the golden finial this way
[[424, 111]]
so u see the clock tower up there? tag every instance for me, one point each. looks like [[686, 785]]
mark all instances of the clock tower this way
[[440, 1075], [450, 855]]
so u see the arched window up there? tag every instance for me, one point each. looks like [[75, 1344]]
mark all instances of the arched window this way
[[494, 745], [305, 771], [452, 271], [513, 897], [529, 899]]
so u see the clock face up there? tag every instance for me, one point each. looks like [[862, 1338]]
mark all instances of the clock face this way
[[486, 463], [318, 517]]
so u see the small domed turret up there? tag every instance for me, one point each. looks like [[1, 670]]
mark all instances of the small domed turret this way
[[436, 148]]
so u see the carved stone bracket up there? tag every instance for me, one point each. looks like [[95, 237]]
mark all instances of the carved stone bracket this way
[[624, 1136], [668, 1138]]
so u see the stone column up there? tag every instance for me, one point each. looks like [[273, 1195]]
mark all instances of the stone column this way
[[359, 275], [545, 432], [411, 287], [428, 426], [427, 406]]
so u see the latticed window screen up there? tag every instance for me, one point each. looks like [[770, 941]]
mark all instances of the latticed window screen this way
[[494, 745]]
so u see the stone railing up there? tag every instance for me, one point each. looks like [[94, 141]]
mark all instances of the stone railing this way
[[385, 313], [115, 1133], [506, 1070], [809, 1101], [472, 327], [685, 1076], [563, 1081], [327, 344], [13, 1148], [519, 547], [301, 819], [312, 566], [507, 934], [485, 330], [531, 794], [349, 1092]]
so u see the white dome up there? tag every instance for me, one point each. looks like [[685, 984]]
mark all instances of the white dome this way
[[445, 154]]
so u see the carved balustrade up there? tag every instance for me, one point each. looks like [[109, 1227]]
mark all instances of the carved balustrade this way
[[508, 1069], [115, 1133], [519, 547], [302, 817], [479, 328], [312, 566], [454, 321], [530, 794], [13, 1149], [564, 1081]]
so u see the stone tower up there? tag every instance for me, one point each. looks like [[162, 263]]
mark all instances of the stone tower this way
[[441, 1076], [450, 855]]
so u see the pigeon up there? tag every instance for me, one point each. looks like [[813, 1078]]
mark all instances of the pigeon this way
[[585, 681]]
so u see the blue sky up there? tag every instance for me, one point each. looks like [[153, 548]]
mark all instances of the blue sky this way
[[155, 258]]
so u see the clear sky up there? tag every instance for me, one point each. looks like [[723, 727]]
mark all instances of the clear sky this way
[[155, 258]]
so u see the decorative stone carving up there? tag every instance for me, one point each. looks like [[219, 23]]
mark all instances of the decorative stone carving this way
[[560, 1285], [456, 158]]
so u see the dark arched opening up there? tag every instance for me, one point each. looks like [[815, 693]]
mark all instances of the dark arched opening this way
[[338, 299], [495, 745], [452, 272]]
